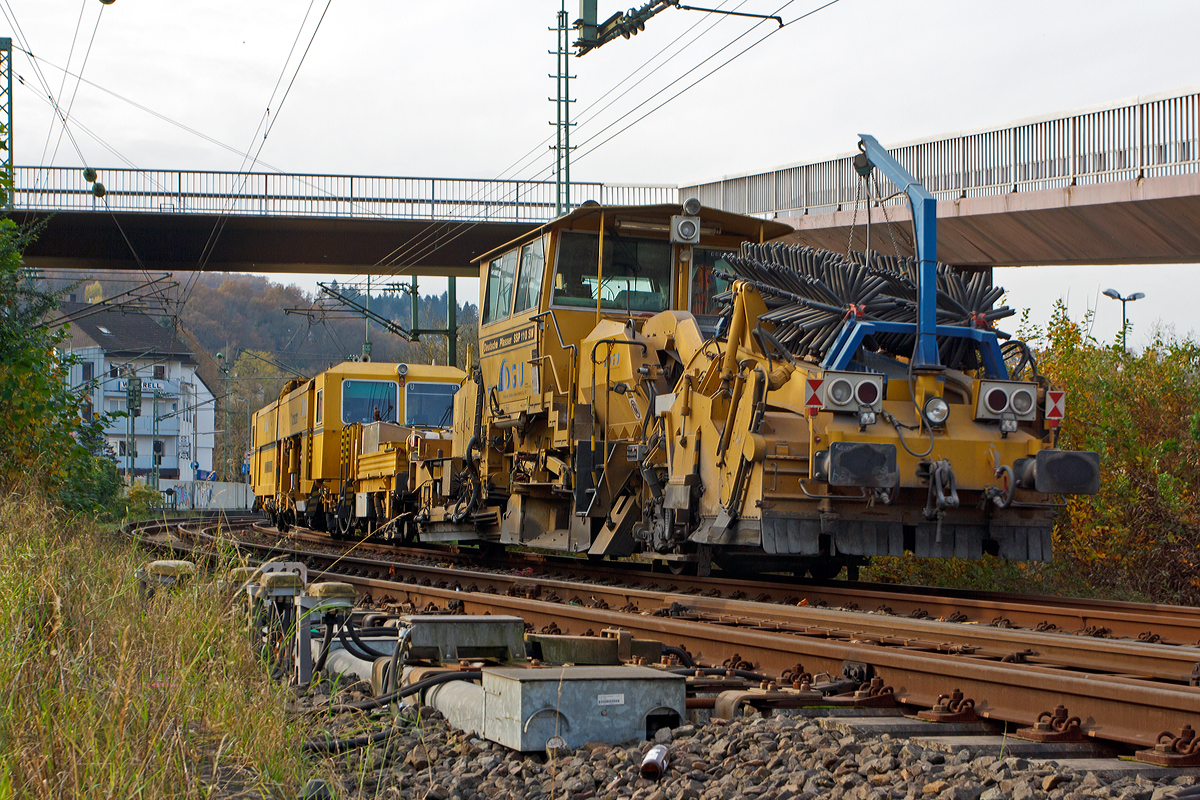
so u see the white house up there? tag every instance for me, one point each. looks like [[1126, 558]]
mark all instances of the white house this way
[[178, 410]]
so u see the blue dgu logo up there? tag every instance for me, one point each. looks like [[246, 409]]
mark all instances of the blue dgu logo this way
[[512, 376], [613, 359]]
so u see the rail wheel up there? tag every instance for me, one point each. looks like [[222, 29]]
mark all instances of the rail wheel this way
[[345, 522], [824, 569], [491, 550]]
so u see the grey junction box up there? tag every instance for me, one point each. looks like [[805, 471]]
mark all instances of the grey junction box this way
[[524, 708]]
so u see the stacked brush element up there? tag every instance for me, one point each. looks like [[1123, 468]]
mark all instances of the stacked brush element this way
[[812, 295]]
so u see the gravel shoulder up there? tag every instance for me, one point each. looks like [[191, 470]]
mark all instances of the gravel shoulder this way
[[759, 758]]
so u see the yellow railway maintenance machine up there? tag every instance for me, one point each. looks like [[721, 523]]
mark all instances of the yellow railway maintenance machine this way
[[663, 382], [333, 452]]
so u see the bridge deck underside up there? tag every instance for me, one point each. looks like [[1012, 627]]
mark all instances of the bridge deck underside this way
[[1151, 221], [91, 240]]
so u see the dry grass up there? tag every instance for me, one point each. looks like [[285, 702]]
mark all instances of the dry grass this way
[[104, 695]]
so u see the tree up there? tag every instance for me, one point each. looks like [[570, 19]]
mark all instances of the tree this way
[[254, 381], [45, 443], [1140, 536], [94, 292]]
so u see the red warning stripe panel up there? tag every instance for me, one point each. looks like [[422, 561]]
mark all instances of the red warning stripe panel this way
[[812, 392], [1055, 404]]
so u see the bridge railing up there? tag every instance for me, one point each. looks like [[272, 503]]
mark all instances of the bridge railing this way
[[277, 194], [1153, 138]]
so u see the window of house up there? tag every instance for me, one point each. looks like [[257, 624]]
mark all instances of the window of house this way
[[160, 372], [187, 393], [636, 274], [86, 412], [369, 401], [429, 405], [88, 371], [498, 300], [112, 371], [121, 448], [529, 282]]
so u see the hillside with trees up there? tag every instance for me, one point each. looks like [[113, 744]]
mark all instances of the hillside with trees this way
[[239, 312]]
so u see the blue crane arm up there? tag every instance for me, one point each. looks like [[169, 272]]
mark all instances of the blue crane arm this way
[[924, 212]]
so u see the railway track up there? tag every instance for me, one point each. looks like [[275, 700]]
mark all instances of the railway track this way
[[1145, 622], [1125, 691]]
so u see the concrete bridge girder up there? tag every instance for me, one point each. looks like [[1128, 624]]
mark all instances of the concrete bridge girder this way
[[90, 240], [1146, 221]]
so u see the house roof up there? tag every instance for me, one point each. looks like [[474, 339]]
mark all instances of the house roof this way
[[120, 332]]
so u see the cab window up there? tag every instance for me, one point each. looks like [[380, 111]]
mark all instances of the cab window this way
[[320, 409], [636, 274], [497, 303], [369, 401], [429, 405], [529, 281], [706, 285]]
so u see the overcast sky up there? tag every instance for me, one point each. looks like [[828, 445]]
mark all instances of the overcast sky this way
[[399, 87]]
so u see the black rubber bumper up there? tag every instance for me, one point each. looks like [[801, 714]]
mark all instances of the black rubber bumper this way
[[1059, 472], [866, 464]]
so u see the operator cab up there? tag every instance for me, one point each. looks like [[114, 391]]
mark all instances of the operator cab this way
[[548, 289]]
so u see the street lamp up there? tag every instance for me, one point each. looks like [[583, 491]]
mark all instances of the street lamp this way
[[1115, 295]]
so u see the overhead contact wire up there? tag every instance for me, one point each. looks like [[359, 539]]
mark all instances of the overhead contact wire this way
[[668, 100], [402, 252]]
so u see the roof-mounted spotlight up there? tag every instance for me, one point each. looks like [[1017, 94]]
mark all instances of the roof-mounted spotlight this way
[[691, 206]]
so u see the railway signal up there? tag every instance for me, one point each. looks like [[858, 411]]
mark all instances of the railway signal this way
[[133, 396]]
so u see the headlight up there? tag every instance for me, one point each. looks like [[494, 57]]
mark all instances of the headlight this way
[[1022, 401], [936, 410], [840, 392]]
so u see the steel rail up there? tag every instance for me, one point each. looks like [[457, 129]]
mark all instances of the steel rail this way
[[1062, 652], [1150, 622]]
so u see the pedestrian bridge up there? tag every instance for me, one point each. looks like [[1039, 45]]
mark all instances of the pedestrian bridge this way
[[1118, 184], [273, 222]]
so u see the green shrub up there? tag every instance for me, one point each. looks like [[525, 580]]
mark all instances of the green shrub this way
[[140, 500], [1139, 538]]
